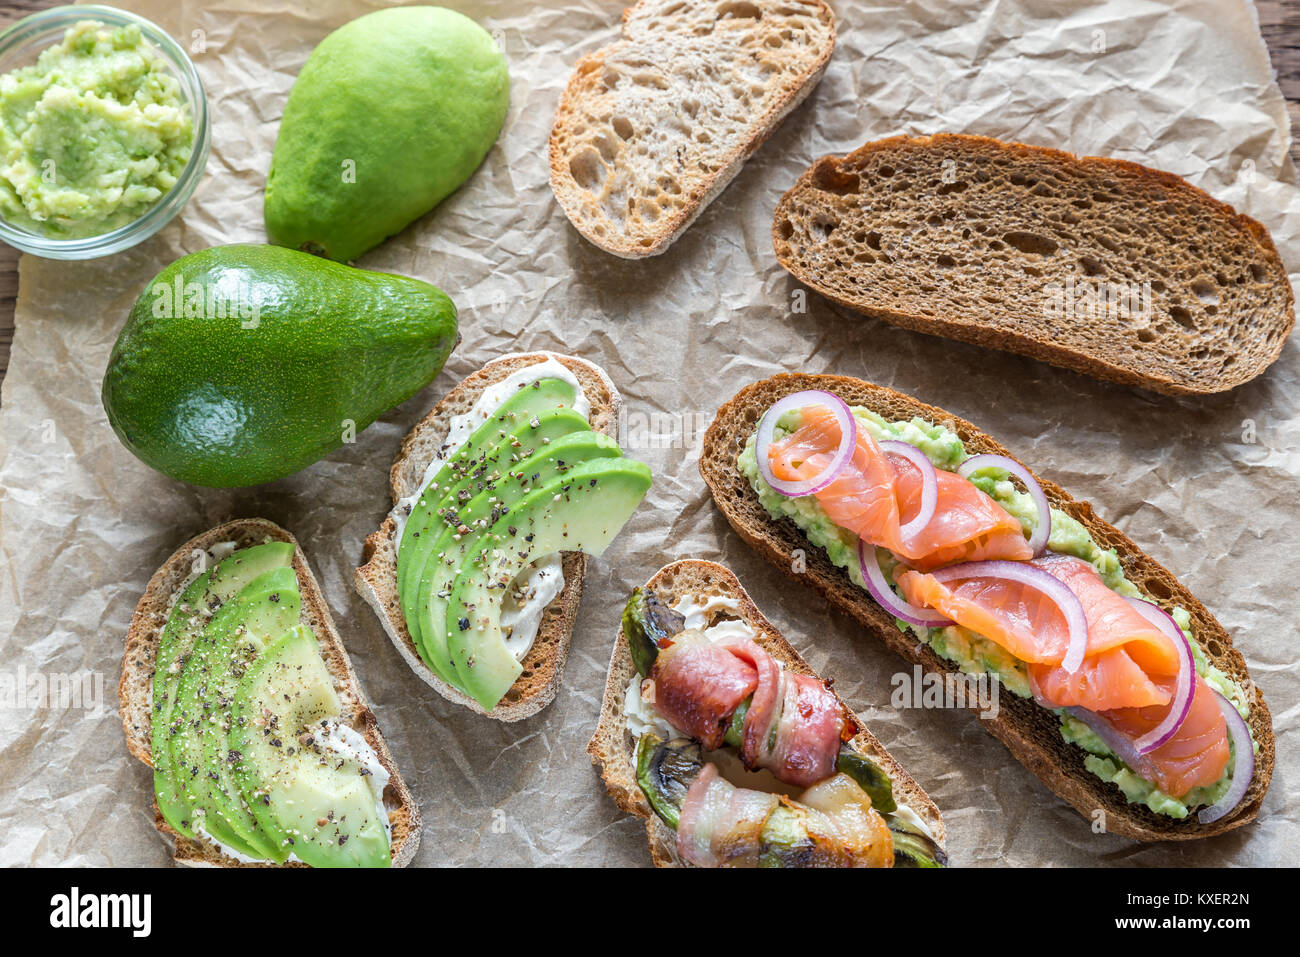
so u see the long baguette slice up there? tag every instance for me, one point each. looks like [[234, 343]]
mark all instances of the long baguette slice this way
[[1030, 732], [1102, 266], [611, 746], [376, 579], [651, 128], [135, 690]]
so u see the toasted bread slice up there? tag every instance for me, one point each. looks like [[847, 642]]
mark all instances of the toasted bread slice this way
[[135, 690], [611, 747], [651, 128], [1029, 731], [1101, 266], [376, 579]]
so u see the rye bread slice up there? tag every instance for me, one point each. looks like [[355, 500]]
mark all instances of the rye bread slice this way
[[612, 747], [135, 689], [376, 579], [1001, 244], [651, 128], [1030, 732]]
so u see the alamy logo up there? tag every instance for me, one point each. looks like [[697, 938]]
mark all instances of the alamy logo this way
[[179, 299], [74, 909], [922, 689], [661, 430], [59, 691]]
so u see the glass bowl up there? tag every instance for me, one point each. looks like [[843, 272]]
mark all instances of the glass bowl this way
[[19, 47]]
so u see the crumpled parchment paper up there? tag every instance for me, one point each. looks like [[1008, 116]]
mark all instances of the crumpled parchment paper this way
[[1207, 486]]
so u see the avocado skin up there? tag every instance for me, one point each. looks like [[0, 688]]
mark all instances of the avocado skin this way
[[414, 97], [208, 402]]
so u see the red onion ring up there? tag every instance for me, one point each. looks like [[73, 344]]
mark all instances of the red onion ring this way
[[929, 484], [1054, 589], [843, 455], [1243, 765], [1122, 746], [1186, 685], [885, 597], [1043, 527]]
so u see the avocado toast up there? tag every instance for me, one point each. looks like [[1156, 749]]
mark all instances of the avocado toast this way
[[476, 573], [234, 613], [691, 603], [1055, 735]]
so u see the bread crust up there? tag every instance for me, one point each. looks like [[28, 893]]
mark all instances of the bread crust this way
[[376, 578], [596, 226], [1192, 346], [135, 689], [611, 746], [1030, 732]]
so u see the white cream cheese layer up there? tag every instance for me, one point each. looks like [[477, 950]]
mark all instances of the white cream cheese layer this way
[[538, 584], [338, 738]]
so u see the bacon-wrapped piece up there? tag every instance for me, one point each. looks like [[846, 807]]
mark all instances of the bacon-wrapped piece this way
[[721, 825], [718, 688], [737, 694], [793, 725], [696, 686]]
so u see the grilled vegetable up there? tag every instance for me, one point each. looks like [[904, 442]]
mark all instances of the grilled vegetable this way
[[832, 824], [912, 846], [646, 622]]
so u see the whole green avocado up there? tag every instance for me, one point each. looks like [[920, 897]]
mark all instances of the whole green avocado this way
[[390, 115], [243, 364]]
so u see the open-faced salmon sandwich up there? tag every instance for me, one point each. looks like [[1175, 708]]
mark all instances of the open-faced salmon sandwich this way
[[1128, 699], [716, 731]]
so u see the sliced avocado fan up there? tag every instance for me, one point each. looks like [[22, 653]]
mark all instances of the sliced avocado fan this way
[[190, 614], [466, 465], [311, 802], [477, 517], [581, 510], [533, 442], [234, 669], [262, 611]]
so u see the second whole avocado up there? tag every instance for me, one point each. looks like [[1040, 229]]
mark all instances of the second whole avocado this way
[[390, 115]]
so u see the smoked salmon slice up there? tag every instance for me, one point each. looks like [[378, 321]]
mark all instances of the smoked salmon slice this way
[[1127, 674], [1127, 658], [1197, 753], [875, 496]]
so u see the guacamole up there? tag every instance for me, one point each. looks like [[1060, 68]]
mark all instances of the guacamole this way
[[92, 134], [971, 652]]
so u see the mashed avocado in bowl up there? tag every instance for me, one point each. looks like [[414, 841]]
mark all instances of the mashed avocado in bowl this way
[[103, 132]]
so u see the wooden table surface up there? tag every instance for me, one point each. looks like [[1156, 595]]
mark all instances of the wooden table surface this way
[[1279, 21]]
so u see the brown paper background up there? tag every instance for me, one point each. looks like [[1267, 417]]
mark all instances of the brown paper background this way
[[1183, 85]]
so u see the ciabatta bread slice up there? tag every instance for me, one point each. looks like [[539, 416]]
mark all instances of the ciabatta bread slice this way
[[1101, 266], [1030, 732], [376, 579], [135, 689], [651, 128], [612, 746]]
